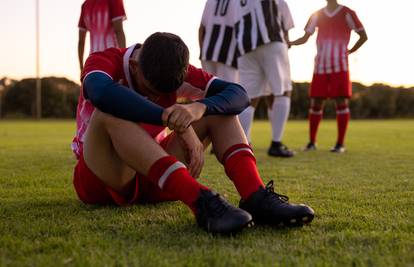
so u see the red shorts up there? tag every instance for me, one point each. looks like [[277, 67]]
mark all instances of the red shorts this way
[[91, 189], [331, 85]]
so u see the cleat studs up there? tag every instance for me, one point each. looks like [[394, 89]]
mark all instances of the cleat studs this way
[[305, 219], [292, 220]]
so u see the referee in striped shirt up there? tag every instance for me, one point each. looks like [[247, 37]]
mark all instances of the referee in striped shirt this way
[[218, 48], [262, 34]]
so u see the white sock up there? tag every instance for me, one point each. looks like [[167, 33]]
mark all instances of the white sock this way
[[279, 116], [246, 120]]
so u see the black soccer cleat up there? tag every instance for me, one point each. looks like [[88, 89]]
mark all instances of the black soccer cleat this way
[[277, 149], [338, 148], [310, 147], [270, 208], [215, 215]]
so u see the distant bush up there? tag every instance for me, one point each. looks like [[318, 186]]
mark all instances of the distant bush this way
[[375, 101], [59, 100]]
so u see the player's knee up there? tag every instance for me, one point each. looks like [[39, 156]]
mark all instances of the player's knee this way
[[220, 120]]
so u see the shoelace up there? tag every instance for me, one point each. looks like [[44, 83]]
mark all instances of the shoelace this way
[[217, 206], [272, 194]]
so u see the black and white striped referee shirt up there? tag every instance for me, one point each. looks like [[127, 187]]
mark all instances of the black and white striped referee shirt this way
[[260, 22], [219, 43]]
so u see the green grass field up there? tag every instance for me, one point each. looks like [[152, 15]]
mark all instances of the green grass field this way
[[364, 201]]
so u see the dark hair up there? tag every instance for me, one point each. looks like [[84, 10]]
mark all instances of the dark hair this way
[[164, 61]]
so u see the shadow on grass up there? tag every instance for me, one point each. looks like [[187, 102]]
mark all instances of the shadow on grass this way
[[165, 225]]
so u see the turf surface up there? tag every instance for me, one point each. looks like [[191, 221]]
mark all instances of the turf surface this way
[[364, 201]]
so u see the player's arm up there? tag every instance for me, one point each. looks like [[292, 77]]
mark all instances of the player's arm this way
[[222, 98], [119, 32], [120, 101], [301, 40], [201, 33], [225, 98], [81, 47], [287, 39], [363, 37]]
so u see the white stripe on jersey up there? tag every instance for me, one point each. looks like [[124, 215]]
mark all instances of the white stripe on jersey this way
[[328, 59], [239, 37], [321, 59], [217, 48], [254, 33], [344, 53], [337, 67], [262, 27]]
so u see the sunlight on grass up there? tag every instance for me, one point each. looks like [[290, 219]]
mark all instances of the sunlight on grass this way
[[363, 200]]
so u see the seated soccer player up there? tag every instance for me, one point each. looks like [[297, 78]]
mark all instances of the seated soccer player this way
[[128, 98]]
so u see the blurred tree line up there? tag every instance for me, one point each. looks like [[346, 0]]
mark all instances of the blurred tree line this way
[[368, 102], [59, 99]]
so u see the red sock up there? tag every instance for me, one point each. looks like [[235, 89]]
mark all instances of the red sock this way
[[342, 119], [315, 117], [240, 166], [172, 176]]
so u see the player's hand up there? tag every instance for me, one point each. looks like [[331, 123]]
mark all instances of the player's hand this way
[[194, 151], [180, 116]]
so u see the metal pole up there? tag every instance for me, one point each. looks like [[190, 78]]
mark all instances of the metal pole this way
[[38, 81], [1, 100]]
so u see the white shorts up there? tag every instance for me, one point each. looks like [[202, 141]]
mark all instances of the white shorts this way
[[221, 70], [266, 70]]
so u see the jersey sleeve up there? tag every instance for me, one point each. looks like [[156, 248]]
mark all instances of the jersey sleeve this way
[[81, 23], [206, 14], [353, 21], [312, 23], [195, 84], [117, 10], [108, 62], [287, 19]]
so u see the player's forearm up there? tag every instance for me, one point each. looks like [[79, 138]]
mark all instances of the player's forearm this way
[[115, 99], [301, 40], [201, 32], [362, 39], [81, 49], [225, 98], [120, 36]]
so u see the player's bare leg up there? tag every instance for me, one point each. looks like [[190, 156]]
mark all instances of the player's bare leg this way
[[110, 152], [342, 118], [116, 149], [315, 117]]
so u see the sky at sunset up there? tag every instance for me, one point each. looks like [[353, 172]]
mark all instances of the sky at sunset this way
[[387, 57]]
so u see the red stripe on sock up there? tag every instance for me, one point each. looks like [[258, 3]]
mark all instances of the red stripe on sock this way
[[315, 117], [179, 183], [342, 121], [241, 168]]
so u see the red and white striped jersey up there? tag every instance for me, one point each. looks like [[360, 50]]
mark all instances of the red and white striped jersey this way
[[97, 17], [334, 32]]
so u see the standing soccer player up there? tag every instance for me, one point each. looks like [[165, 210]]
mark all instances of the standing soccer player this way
[[123, 157], [331, 72], [218, 48], [262, 32], [103, 19]]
